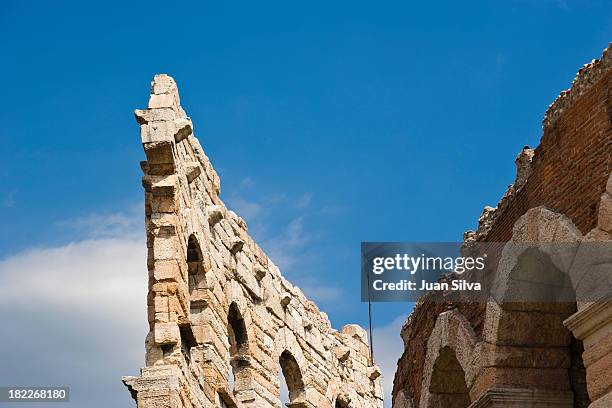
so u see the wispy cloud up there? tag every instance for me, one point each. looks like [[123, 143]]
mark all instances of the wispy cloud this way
[[246, 182], [249, 210], [128, 223], [284, 248], [287, 245], [322, 294], [275, 198], [9, 199], [304, 201]]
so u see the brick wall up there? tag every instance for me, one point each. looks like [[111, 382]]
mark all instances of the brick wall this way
[[571, 165]]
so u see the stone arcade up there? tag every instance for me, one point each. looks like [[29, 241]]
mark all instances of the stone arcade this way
[[517, 354], [216, 300]]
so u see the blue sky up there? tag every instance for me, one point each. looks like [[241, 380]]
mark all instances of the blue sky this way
[[330, 123]]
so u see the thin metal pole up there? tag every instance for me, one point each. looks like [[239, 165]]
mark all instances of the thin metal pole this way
[[370, 322]]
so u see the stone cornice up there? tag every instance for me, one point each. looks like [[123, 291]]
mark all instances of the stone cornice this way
[[590, 319], [518, 398]]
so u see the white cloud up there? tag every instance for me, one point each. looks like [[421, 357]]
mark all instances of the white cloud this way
[[75, 314], [284, 248], [388, 347], [104, 275]]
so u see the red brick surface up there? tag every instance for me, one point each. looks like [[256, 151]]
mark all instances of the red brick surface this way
[[570, 169]]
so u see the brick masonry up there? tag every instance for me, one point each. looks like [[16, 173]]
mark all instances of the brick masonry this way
[[562, 182]]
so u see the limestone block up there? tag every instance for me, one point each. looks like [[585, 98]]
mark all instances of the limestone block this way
[[162, 101], [342, 353], [236, 245], [214, 213], [144, 116], [599, 376], [159, 153], [157, 132], [285, 300], [192, 170], [240, 222], [260, 272], [373, 372], [153, 353], [356, 332], [552, 379], [532, 328], [166, 247], [166, 269], [181, 129], [163, 186], [163, 83], [247, 279], [166, 333], [164, 204], [273, 302], [162, 223]]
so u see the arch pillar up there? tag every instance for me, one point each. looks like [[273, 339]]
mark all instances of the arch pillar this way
[[529, 354], [450, 353], [592, 323]]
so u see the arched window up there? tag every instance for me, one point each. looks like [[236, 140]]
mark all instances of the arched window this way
[[293, 377], [537, 285], [196, 275], [239, 375], [448, 388], [236, 330]]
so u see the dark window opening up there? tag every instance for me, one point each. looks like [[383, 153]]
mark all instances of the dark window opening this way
[[293, 376]]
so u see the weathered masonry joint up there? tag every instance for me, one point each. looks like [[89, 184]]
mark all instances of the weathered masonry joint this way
[[222, 320]]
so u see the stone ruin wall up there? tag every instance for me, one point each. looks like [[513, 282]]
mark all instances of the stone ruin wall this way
[[565, 184], [216, 300]]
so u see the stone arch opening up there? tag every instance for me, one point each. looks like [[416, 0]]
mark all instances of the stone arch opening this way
[[538, 297], [237, 332], [446, 374], [293, 377], [447, 388], [238, 376], [535, 291], [195, 264]]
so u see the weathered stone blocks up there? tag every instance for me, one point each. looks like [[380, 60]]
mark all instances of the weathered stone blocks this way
[[217, 301]]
